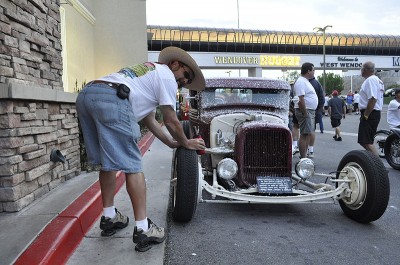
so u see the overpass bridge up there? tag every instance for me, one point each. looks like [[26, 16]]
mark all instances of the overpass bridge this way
[[255, 50]]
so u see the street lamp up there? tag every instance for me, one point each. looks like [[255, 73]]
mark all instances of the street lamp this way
[[323, 48]]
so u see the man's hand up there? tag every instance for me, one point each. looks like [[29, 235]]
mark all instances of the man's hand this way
[[196, 144]]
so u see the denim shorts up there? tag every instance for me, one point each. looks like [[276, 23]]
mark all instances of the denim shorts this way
[[110, 130]]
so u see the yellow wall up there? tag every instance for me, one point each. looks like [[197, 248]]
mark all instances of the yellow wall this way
[[79, 49], [120, 33], [101, 37]]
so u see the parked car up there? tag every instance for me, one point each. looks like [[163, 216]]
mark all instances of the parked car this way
[[249, 156]]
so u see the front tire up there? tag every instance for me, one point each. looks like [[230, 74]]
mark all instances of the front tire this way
[[392, 151], [186, 128], [367, 196], [186, 184]]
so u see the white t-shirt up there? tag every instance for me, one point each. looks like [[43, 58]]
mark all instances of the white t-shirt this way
[[303, 87], [393, 113], [372, 87], [151, 85], [326, 101], [357, 98]]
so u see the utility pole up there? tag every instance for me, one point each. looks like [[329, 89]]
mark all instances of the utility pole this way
[[323, 50]]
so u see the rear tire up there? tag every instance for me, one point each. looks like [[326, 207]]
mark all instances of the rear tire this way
[[185, 188], [379, 141], [369, 190], [392, 151]]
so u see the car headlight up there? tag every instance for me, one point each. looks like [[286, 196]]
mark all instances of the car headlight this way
[[305, 168], [227, 168]]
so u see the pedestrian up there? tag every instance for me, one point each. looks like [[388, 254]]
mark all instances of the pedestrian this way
[[393, 112], [336, 110], [326, 105], [318, 114], [371, 101], [308, 102], [356, 101], [109, 110], [349, 101], [293, 122]]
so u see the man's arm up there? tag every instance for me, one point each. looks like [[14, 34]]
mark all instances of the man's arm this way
[[302, 105], [175, 129], [370, 107], [154, 126]]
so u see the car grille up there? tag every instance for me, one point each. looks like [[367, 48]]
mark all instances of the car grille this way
[[264, 151]]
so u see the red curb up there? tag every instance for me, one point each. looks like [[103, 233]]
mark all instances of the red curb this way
[[59, 239], [146, 142], [61, 236]]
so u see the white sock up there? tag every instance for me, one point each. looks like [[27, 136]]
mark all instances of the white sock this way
[[109, 212], [294, 143], [311, 149], [143, 224]]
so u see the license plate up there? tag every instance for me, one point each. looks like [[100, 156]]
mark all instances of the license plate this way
[[275, 185]]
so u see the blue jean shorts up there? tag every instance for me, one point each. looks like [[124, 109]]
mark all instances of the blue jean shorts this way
[[110, 130]]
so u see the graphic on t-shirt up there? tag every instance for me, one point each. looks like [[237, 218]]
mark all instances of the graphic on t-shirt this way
[[137, 70]]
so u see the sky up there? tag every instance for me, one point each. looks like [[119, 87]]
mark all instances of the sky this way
[[346, 16]]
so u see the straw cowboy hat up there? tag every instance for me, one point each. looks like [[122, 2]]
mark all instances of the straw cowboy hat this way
[[176, 54]]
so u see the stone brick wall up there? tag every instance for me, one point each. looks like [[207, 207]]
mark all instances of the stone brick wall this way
[[36, 116], [30, 37], [29, 131]]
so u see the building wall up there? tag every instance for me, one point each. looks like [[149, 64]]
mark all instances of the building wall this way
[[78, 48], [120, 34], [36, 115], [389, 78], [102, 37]]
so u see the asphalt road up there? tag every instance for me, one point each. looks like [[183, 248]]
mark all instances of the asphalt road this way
[[294, 233]]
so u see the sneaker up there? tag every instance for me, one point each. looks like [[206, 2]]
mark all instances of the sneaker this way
[[310, 155], [338, 139], [143, 240], [295, 150], [110, 225]]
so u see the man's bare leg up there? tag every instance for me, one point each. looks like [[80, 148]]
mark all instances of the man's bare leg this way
[[136, 187], [370, 147], [107, 185]]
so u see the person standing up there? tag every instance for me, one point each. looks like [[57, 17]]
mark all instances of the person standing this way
[[293, 122], [356, 102], [349, 101], [393, 112], [308, 102], [109, 110], [326, 105], [318, 115], [336, 111], [371, 102]]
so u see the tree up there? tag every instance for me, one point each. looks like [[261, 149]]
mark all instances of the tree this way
[[293, 75], [290, 76], [332, 81]]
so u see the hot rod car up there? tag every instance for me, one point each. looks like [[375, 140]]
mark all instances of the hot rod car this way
[[244, 123]]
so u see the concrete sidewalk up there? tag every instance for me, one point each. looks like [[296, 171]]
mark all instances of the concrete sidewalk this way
[[62, 226], [119, 248]]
